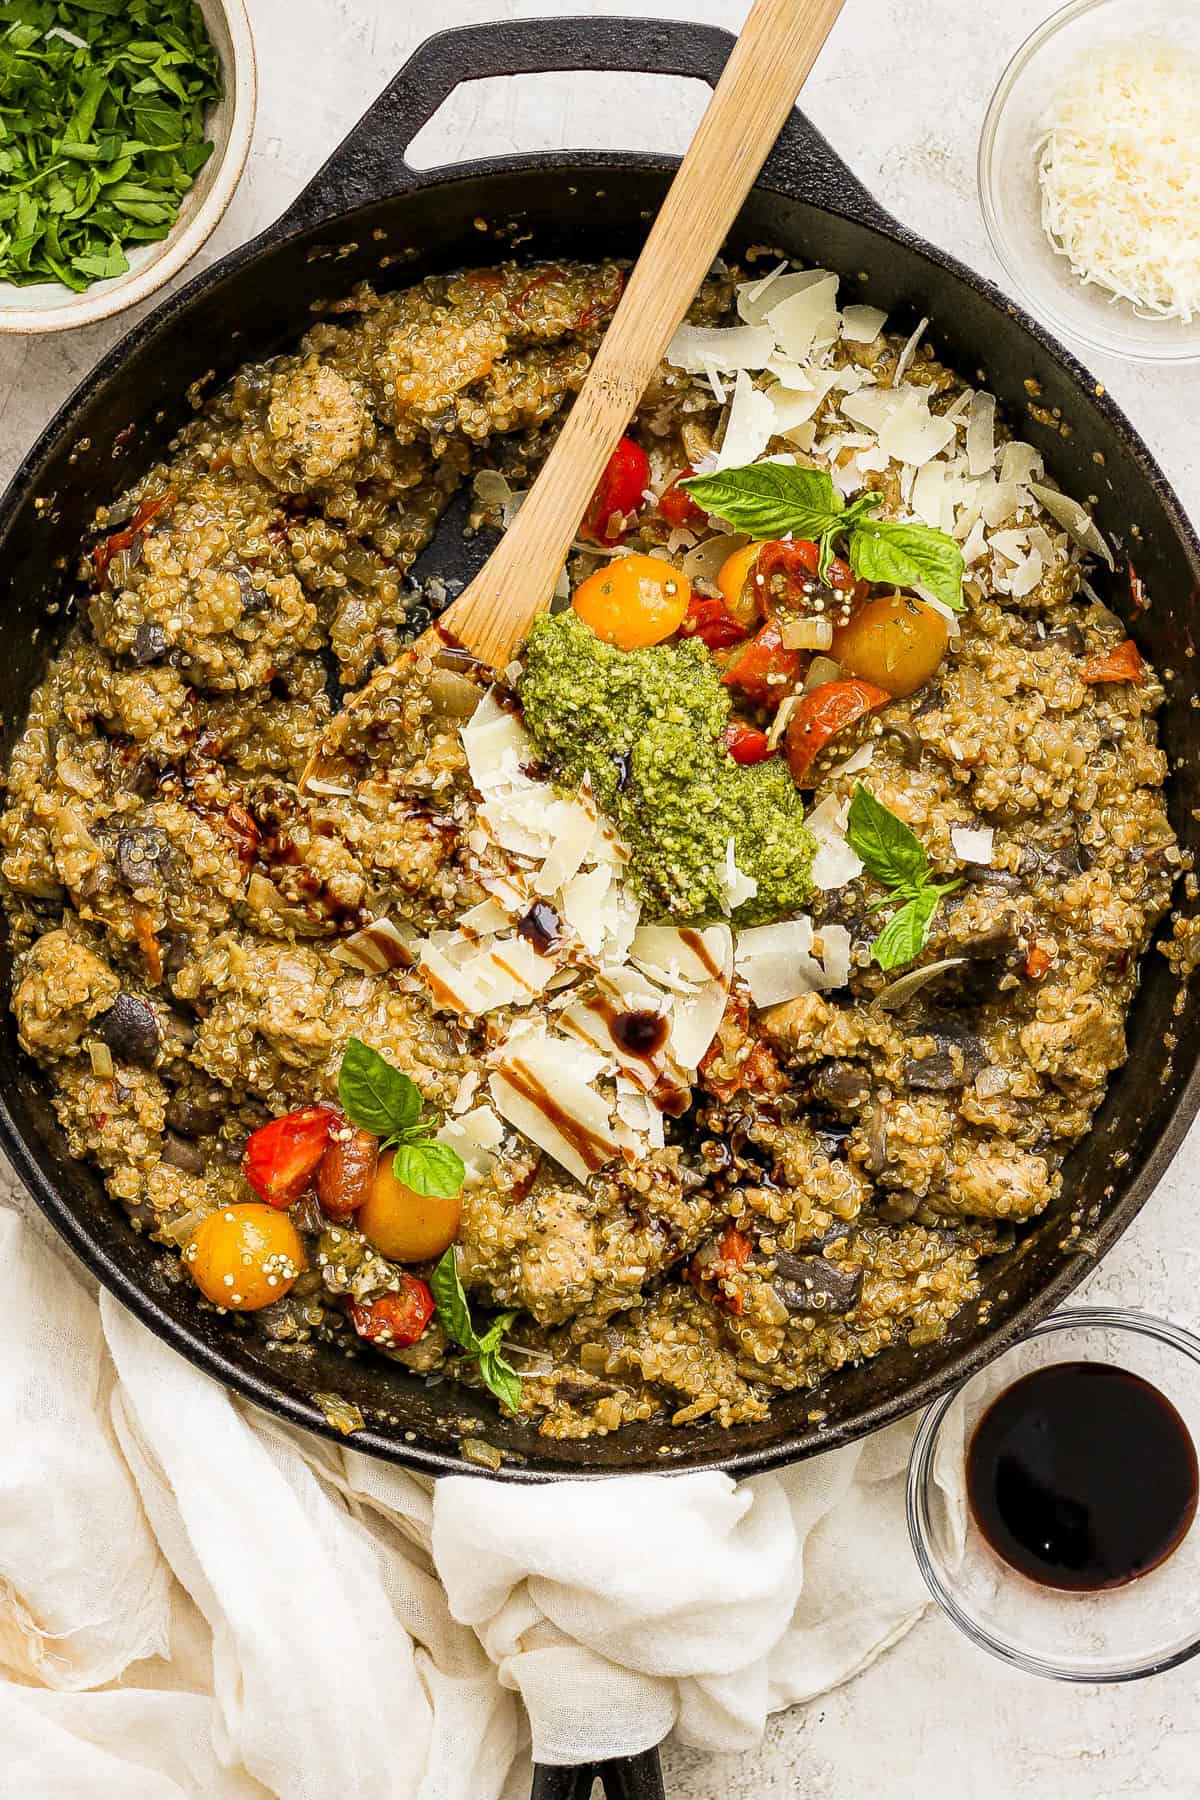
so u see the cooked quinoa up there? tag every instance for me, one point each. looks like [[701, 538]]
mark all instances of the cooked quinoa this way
[[177, 897]]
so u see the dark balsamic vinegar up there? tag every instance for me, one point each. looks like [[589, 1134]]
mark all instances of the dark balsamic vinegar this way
[[1082, 1476]]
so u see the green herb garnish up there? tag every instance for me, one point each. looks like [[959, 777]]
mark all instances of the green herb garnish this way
[[769, 499], [384, 1100], [454, 1313], [893, 854], [102, 108]]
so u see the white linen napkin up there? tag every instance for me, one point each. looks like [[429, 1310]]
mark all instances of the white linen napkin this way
[[198, 1601]]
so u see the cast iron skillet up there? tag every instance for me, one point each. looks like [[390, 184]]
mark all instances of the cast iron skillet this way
[[369, 215]]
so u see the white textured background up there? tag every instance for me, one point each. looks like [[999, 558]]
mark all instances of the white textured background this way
[[900, 90]]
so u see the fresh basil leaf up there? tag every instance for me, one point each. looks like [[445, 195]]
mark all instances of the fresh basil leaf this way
[[502, 1379], [430, 1168], [909, 555], [890, 849], [906, 933], [498, 1329], [769, 499], [451, 1304], [454, 1313], [375, 1096]]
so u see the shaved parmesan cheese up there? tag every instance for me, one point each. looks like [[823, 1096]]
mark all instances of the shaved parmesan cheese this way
[[775, 961], [806, 320], [736, 886], [475, 980], [902, 421], [694, 1021], [1026, 578], [484, 920], [973, 846], [636, 1110], [750, 424], [835, 954], [477, 1137], [683, 959], [1019, 462], [1074, 519], [835, 863], [862, 324], [1119, 171], [981, 435], [794, 407], [908, 352], [861, 759], [575, 833], [496, 744], [755, 299], [696, 349], [542, 1086]]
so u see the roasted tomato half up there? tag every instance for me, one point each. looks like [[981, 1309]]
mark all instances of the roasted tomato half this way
[[282, 1157]]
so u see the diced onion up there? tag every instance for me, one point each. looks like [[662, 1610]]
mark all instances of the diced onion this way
[[821, 670], [807, 634], [101, 1058]]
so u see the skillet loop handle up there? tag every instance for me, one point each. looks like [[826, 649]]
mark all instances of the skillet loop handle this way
[[370, 163], [623, 1778]]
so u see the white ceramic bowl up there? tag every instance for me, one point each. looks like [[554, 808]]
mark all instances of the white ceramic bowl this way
[[48, 306], [1008, 178]]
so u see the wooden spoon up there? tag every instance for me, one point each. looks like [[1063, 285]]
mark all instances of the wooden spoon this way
[[767, 67]]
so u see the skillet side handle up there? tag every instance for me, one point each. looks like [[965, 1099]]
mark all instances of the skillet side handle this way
[[623, 1778], [370, 162]]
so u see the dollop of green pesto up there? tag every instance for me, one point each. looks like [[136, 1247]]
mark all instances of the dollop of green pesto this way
[[646, 726]]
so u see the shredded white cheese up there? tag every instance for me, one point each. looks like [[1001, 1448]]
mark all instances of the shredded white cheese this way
[[1120, 175]]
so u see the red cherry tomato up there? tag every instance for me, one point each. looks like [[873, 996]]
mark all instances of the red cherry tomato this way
[[735, 1247], [618, 495], [765, 669], [712, 622], [1120, 664], [746, 744], [281, 1158], [678, 508], [1037, 962], [785, 572], [820, 715], [394, 1321]]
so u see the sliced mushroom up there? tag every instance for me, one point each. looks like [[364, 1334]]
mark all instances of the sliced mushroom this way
[[194, 1114], [810, 1284], [141, 851], [841, 1085], [130, 1029], [956, 1059], [182, 1153], [149, 643]]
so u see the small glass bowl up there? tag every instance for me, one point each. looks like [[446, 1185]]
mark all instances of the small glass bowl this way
[[1008, 177], [1119, 1634]]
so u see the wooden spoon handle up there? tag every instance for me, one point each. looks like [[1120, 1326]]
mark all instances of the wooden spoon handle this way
[[769, 63]]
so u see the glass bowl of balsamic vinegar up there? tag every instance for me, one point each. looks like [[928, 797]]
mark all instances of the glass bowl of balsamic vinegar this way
[[1052, 1499]]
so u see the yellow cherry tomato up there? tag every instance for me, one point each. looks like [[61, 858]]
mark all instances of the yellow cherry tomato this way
[[245, 1256], [732, 577], [402, 1225], [634, 601], [896, 642]]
